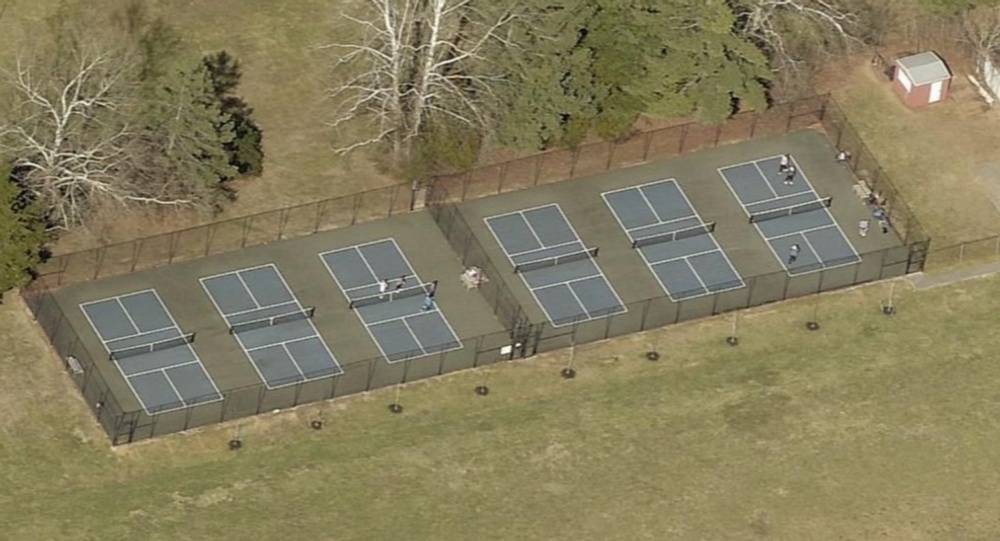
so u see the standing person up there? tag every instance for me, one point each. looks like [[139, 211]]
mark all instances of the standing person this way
[[428, 301], [784, 163], [401, 283], [884, 224], [433, 288], [383, 286], [863, 228], [790, 175], [793, 253]]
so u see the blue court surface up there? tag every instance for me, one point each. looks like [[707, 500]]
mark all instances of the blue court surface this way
[[555, 265], [274, 330], [151, 353], [401, 322], [673, 240], [787, 215]]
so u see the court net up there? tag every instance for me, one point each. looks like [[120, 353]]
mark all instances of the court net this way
[[151, 347], [680, 234], [589, 253], [389, 296], [789, 211], [297, 315]]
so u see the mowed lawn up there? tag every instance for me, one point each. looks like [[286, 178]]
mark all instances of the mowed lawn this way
[[935, 155], [872, 427]]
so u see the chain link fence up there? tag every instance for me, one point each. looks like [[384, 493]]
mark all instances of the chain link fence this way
[[521, 336]]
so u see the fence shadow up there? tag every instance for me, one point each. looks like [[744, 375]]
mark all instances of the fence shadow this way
[[521, 337]]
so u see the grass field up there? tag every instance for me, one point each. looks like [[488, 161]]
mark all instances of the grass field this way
[[284, 78], [933, 155], [872, 427]]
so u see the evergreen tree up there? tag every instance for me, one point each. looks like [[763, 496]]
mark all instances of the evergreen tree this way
[[22, 234], [611, 60], [185, 133], [245, 153]]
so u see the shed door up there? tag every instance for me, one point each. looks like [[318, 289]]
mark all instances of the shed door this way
[[935, 92]]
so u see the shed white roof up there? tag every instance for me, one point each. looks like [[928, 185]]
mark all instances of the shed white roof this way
[[924, 68]]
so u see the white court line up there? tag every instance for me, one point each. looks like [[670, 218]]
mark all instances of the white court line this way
[[162, 369], [435, 306], [830, 214], [239, 276], [522, 211], [615, 214], [596, 265], [696, 274], [547, 248], [312, 326], [637, 186], [512, 264], [813, 250], [812, 190], [135, 328], [650, 205], [251, 310], [188, 345], [650, 226], [531, 289], [374, 277], [711, 236], [131, 336], [127, 378], [650, 265], [414, 336], [696, 254], [343, 291], [283, 342], [767, 182], [294, 301], [413, 274], [732, 190], [291, 357], [799, 232], [117, 366], [790, 196], [531, 228]]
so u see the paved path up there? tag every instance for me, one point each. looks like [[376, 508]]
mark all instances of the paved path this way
[[926, 281]]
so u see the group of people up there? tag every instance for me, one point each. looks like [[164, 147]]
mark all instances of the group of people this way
[[384, 286], [787, 168]]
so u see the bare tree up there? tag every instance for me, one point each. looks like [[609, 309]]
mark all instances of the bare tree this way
[[981, 29], [67, 134], [786, 29], [417, 60]]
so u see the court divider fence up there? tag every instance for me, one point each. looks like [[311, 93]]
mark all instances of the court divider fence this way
[[521, 337]]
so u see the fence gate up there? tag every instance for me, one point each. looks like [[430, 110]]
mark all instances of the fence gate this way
[[917, 256]]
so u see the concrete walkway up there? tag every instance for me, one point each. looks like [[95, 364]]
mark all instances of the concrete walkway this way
[[925, 281]]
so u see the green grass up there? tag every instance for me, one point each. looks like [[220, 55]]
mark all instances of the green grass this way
[[872, 427]]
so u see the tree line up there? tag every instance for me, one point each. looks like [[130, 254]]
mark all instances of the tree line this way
[[432, 81], [132, 116], [136, 117]]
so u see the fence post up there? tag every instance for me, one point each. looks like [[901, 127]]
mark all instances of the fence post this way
[[538, 168], [100, 253], [503, 176]]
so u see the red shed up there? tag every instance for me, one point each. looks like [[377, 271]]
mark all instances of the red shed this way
[[921, 79]]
